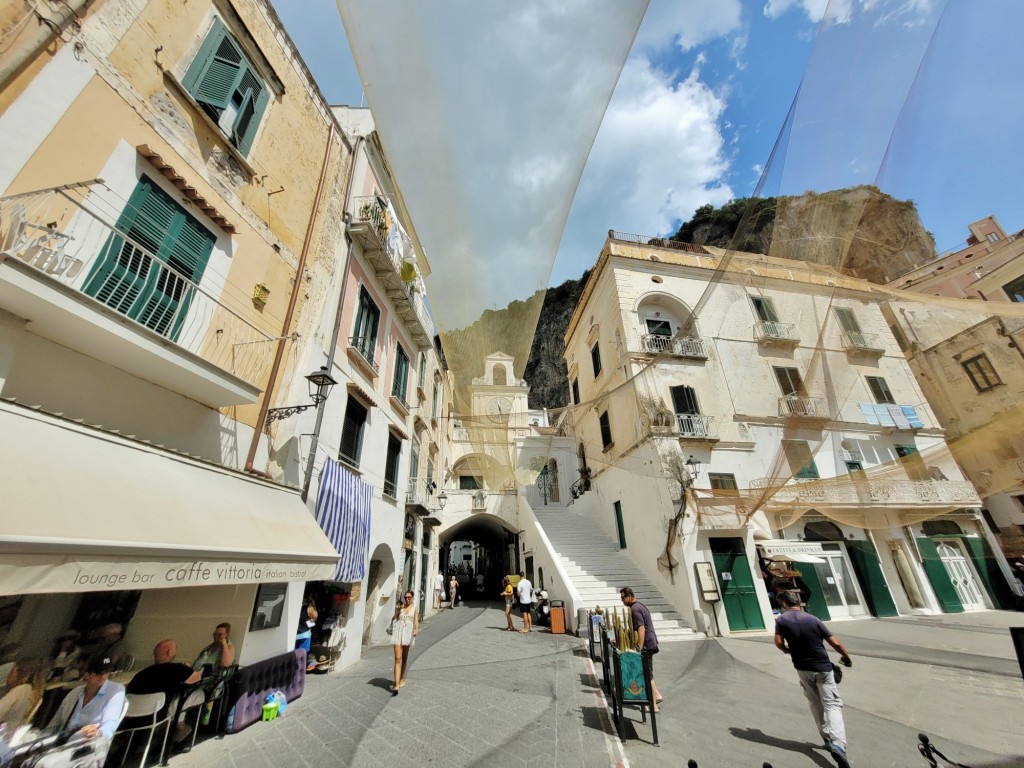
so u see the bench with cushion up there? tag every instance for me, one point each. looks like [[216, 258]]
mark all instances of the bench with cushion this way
[[252, 685]]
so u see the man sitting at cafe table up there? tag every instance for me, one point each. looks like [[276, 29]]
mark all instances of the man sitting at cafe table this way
[[165, 676]]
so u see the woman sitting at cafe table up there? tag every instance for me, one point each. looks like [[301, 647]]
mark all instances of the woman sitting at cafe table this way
[[91, 714]]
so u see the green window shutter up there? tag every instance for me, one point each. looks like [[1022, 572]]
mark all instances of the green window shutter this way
[[868, 569], [936, 571], [988, 569], [400, 385], [216, 68], [254, 102]]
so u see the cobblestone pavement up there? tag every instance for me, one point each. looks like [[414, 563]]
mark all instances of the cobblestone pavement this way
[[478, 696]]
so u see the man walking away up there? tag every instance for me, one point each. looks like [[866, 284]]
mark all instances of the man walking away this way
[[644, 625], [802, 636], [525, 591]]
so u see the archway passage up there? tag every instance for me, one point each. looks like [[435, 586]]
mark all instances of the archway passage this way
[[479, 550]]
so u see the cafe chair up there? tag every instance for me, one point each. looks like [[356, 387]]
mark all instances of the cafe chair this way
[[145, 705]]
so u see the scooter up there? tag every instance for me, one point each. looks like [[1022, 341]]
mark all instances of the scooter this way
[[542, 610]]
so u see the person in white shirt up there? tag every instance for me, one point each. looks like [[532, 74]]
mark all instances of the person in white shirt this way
[[25, 684], [438, 590], [524, 589], [91, 713]]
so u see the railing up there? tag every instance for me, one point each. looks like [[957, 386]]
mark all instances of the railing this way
[[773, 330], [696, 425], [365, 346], [657, 242], [65, 234], [417, 492], [887, 492], [390, 489], [800, 405], [372, 211], [857, 340], [688, 346]]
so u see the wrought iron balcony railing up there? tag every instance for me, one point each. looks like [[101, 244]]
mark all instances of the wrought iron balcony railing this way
[[67, 236], [697, 426], [772, 331], [366, 347], [802, 406], [689, 346], [848, 491], [861, 342]]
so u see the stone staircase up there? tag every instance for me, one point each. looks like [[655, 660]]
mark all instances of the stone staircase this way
[[598, 568]]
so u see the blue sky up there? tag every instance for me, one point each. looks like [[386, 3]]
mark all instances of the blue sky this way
[[919, 96]]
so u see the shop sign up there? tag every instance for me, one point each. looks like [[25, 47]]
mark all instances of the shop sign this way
[[30, 574]]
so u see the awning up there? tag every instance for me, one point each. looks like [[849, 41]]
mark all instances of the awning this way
[[794, 551], [86, 510]]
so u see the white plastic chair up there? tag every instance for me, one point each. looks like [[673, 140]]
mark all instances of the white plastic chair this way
[[144, 705]]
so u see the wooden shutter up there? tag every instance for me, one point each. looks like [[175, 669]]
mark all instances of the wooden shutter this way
[[765, 310], [214, 74], [847, 320], [352, 432], [400, 385], [880, 390], [391, 466], [789, 381], [684, 399], [606, 430], [254, 102], [801, 460]]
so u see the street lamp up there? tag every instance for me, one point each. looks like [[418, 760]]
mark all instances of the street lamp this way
[[693, 467], [320, 383], [442, 499]]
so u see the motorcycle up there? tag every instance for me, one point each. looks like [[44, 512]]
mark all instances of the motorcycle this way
[[542, 610]]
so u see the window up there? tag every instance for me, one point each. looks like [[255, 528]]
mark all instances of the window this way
[[433, 407], [352, 432], [226, 85], [498, 376], [856, 470], [992, 237], [981, 373], [391, 466], [1015, 289], [765, 309], [657, 327], [421, 376], [606, 431], [790, 382], [880, 390], [913, 464], [470, 482], [847, 320], [801, 460], [149, 268], [364, 338], [725, 484], [414, 462], [595, 358], [575, 387], [401, 382], [684, 400]]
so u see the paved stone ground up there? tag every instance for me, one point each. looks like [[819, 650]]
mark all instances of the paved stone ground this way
[[478, 696]]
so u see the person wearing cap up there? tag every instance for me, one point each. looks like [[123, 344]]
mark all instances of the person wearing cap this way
[[91, 712]]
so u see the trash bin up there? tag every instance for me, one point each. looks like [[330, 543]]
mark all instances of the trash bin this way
[[557, 617]]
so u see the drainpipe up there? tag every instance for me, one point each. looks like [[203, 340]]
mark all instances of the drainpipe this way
[[49, 27], [296, 289], [337, 326]]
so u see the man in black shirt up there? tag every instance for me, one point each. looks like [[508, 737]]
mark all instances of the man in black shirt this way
[[165, 676], [802, 636], [644, 625]]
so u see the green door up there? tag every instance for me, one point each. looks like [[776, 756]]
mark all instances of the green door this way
[[619, 525], [736, 584], [816, 604], [988, 569], [937, 575], [868, 569]]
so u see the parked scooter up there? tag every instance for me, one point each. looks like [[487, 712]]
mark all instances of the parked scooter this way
[[542, 610]]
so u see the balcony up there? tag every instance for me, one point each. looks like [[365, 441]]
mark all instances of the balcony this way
[[848, 492], [389, 252], [803, 407], [865, 343], [687, 347], [84, 284], [696, 427], [775, 334], [361, 350]]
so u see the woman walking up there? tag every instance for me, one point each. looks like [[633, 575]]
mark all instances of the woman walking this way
[[453, 588], [508, 594], [404, 629]]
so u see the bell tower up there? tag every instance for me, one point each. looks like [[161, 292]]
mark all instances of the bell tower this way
[[499, 399]]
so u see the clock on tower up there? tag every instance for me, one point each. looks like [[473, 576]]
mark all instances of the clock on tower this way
[[499, 409]]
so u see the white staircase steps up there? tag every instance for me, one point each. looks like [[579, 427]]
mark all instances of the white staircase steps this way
[[598, 569]]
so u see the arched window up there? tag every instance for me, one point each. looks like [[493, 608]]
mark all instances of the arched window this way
[[498, 376], [823, 530], [942, 528], [553, 494]]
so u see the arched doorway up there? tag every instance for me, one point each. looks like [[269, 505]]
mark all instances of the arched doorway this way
[[482, 545], [379, 591]]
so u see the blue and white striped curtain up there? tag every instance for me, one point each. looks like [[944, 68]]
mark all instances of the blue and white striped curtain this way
[[343, 512]]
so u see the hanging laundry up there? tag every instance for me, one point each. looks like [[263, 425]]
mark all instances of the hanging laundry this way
[[343, 512]]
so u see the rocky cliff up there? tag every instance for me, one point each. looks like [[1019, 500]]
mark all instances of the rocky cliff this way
[[860, 231]]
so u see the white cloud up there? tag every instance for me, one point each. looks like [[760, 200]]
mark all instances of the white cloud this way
[[660, 155], [906, 12], [686, 25]]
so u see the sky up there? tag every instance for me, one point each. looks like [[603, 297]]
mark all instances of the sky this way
[[918, 96]]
